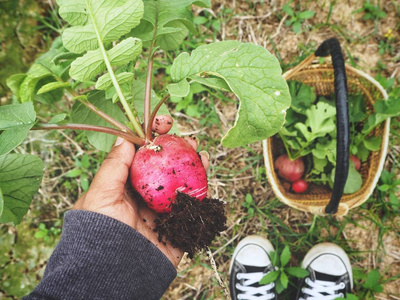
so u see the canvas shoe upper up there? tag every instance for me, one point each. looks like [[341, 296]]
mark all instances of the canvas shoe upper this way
[[250, 263], [330, 273]]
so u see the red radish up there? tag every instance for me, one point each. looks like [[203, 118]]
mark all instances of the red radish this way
[[291, 170], [356, 161], [299, 186], [162, 168]]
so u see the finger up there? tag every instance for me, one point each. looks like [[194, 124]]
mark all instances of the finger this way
[[192, 140], [205, 159], [162, 124], [112, 176]]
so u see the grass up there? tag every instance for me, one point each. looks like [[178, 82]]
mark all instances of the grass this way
[[369, 234]]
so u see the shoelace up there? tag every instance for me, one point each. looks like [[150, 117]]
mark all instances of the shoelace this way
[[250, 292], [317, 287]]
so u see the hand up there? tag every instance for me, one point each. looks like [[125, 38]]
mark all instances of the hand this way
[[110, 193]]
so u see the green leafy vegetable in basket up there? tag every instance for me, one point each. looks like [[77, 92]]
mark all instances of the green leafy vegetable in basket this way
[[310, 133]]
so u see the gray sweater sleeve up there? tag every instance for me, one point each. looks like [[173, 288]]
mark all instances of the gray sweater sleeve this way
[[99, 257]]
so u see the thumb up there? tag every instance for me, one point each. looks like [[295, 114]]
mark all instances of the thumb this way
[[111, 178]]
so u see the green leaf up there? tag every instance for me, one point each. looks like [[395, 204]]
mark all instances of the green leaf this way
[[212, 82], [57, 60], [253, 74], [180, 89], [73, 173], [53, 86], [354, 180], [373, 143], [20, 177], [1, 202], [297, 272], [84, 182], [321, 118], [306, 14], [92, 63], [285, 256], [104, 82], [15, 120], [373, 281], [174, 20], [270, 277], [111, 19], [14, 82], [303, 96], [28, 86], [284, 280], [81, 114], [57, 118]]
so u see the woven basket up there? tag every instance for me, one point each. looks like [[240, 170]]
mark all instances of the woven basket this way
[[317, 197]]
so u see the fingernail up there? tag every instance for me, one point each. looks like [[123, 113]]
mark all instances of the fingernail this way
[[119, 141], [205, 153]]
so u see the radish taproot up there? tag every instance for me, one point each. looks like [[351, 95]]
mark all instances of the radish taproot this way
[[168, 165], [356, 161], [291, 170], [300, 186]]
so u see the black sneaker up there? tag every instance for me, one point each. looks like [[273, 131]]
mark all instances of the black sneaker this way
[[250, 263], [330, 273]]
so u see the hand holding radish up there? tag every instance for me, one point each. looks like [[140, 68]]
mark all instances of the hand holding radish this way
[[109, 193]]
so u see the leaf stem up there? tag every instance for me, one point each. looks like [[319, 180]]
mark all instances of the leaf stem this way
[[154, 113], [148, 84], [127, 136], [100, 113], [136, 125]]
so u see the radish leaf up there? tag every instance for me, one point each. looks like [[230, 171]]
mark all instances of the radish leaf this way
[[15, 120], [253, 74], [173, 20], [81, 114], [20, 177], [94, 20]]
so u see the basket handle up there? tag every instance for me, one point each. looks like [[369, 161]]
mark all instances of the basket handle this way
[[331, 46]]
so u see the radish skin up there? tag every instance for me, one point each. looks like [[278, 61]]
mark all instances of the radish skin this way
[[164, 167]]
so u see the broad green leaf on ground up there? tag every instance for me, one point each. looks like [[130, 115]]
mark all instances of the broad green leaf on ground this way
[[253, 74], [174, 20], [15, 122], [20, 177], [81, 114], [138, 88], [92, 20], [92, 63]]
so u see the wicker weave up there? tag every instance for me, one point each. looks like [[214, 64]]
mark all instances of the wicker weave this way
[[315, 199]]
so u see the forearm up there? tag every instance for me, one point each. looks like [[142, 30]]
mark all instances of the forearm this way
[[101, 258]]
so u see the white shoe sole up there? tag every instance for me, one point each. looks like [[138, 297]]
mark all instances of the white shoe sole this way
[[328, 248]]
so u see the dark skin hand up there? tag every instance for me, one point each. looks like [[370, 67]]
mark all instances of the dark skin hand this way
[[110, 194]]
